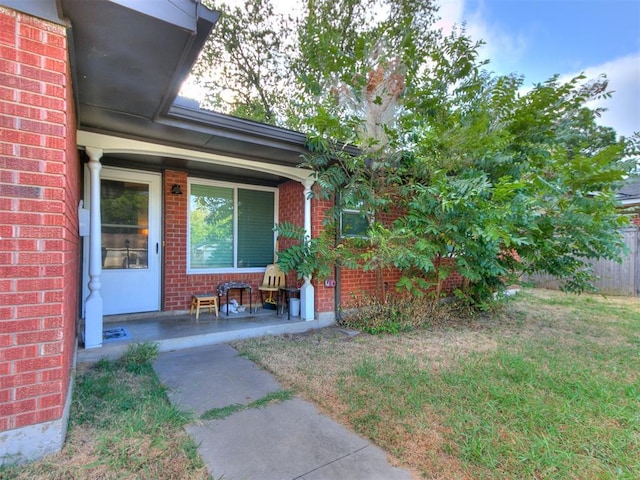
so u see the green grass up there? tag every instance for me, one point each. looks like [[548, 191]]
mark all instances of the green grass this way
[[223, 412], [553, 392], [531, 412], [121, 426]]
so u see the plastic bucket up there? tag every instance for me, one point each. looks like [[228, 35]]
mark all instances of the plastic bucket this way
[[294, 306]]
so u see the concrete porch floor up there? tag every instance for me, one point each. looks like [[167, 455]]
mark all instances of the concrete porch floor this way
[[179, 330]]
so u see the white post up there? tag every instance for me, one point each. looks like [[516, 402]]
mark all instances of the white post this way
[[93, 303], [307, 292]]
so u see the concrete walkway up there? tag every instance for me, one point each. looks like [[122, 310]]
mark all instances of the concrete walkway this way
[[283, 441]]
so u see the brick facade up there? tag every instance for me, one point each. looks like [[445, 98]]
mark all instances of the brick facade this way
[[324, 296], [39, 246], [352, 282], [175, 289], [356, 282], [179, 286], [291, 210]]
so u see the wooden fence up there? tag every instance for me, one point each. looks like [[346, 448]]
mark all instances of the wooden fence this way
[[614, 278]]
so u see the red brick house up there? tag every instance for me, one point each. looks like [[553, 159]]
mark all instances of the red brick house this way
[[104, 173]]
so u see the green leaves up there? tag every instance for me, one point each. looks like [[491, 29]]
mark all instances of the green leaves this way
[[243, 65], [456, 169], [308, 257]]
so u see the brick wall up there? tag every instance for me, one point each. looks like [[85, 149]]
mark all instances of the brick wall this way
[[39, 247], [324, 296], [356, 282], [175, 243], [291, 210], [351, 281], [178, 286]]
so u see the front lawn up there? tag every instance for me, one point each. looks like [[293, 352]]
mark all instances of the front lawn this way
[[548, 387], [121, 426]]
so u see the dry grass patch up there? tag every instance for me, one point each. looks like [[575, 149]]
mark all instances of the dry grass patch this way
[[550, 314], [545, 387], [83, 457]]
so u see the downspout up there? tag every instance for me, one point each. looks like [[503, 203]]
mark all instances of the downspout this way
[[337, 295]]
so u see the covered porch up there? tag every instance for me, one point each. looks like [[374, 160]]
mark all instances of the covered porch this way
[[168, 260], [176, 330], [175, 197]]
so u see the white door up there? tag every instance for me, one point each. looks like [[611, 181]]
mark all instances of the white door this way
[[131, 216]]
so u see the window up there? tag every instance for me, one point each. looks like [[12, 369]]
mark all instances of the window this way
[[230, 227], [353, 221], [125, 224]]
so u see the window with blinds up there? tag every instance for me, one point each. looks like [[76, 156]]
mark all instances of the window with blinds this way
[[230, 227]]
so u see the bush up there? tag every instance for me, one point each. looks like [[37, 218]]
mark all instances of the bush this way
[[399, 313]]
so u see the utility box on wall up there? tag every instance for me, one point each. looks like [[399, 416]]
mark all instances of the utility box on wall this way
[[83, 220]]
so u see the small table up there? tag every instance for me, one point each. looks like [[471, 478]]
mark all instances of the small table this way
[[224, 288], [287, 291]]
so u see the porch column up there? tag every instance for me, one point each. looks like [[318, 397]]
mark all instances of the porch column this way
[[93, 303], [306, 290]]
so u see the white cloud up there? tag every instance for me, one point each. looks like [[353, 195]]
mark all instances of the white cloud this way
[[623, 109], [450, 14], [504, 49]]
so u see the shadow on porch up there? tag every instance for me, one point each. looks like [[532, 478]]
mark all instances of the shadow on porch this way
[[179, 330]]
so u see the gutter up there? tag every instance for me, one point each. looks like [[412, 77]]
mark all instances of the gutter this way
[[186, 110]]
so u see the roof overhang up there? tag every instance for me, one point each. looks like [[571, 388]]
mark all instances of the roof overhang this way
[[129, 59]]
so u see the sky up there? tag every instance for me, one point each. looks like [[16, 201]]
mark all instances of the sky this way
[[541, 38]]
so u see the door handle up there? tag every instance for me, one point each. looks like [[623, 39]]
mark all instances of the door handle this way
[[157, 247]]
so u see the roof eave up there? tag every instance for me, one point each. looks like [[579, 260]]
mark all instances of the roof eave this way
[[195, 115]]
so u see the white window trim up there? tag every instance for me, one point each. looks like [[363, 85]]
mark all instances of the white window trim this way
[[235, 187]]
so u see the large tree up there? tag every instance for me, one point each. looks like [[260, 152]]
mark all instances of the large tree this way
[[481, 175], [243, 67], [485, 177]]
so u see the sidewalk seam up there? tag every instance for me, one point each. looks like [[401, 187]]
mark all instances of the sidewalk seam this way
[[329, 463]]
